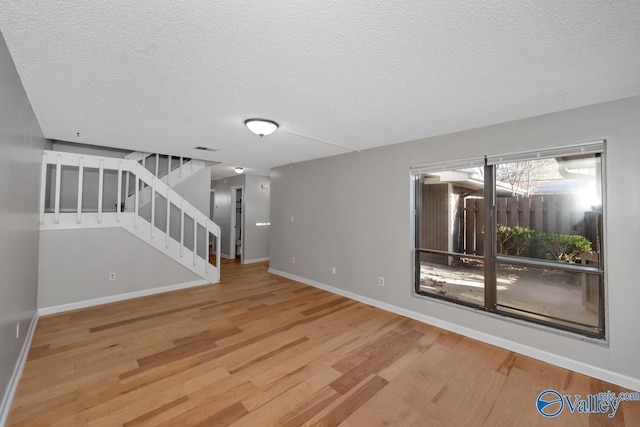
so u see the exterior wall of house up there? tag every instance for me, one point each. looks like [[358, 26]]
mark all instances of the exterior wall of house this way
[[21, 145], [75, 266], [354, 212]]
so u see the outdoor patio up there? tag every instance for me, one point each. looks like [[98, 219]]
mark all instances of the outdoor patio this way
[[552, 293]]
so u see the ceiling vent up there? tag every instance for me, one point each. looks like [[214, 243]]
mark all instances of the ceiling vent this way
[[201, 148]]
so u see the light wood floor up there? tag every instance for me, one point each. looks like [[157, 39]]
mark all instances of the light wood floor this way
[[260, 350]]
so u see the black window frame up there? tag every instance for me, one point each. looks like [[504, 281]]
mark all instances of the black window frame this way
[[492, 258]]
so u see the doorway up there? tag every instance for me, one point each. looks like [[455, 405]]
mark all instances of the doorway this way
[[236, 238]]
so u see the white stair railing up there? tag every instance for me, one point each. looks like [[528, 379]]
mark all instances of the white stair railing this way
[[190, 249], [169, 169], [174, 169]]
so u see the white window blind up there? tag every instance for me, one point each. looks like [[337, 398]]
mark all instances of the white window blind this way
[[449, 165], [572, 150]]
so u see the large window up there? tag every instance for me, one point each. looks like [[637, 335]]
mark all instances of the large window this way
[[518, 235]]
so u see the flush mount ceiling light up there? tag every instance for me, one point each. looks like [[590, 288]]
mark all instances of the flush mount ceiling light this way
[[261, 127], [238, 169]]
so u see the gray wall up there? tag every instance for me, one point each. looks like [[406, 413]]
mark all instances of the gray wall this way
[[354, 212], [69, 178], [194, 190], [93, 150], [222, 208], [21, 144], [256, 210], [80, 272], [256, 198]]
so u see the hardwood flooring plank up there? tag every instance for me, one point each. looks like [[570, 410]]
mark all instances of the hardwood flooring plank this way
[[212, 335], [393, 348], [309, 408], [258, 349], [145, 418], [269, 354], [228, 349], [353, 402], [226, 417], [146, 317]]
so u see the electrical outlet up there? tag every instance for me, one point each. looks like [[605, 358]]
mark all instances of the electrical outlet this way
[[293, 219], [112, 276], [333, 270], [18, 330], [381, 281], [293, 260]]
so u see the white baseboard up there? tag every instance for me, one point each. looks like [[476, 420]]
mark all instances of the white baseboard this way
[[17, 372], [119, 297], [226, 256], [554, 359], [251, 261]]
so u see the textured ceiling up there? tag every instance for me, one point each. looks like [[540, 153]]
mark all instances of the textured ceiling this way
[[168, 76]]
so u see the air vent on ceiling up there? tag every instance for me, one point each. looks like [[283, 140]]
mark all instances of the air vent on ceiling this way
[[200, 147]]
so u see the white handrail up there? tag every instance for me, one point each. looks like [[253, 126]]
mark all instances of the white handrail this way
[[141, 157], [143, 175]]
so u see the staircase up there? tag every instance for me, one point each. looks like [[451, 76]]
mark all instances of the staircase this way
[[171, 170], [162, 218]]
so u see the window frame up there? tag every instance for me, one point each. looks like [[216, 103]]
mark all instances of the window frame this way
[[492, 258]]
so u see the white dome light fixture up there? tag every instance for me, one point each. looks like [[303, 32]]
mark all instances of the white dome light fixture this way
[[238, 169], [261, 127]]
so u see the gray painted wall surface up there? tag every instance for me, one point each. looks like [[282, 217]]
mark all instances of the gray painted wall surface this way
[[194, 190], [256, 210], [222, 208], [69, 178], [81, 271], [21, 145], [353, 212], [93, 150]]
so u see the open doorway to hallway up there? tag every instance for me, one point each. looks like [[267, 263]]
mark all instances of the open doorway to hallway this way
[[236, 246]]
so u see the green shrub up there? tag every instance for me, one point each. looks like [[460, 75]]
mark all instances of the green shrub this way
[[522, 241], [560, 247], [514, 240]]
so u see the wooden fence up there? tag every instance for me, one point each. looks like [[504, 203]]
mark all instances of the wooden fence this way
[[545, 213]]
